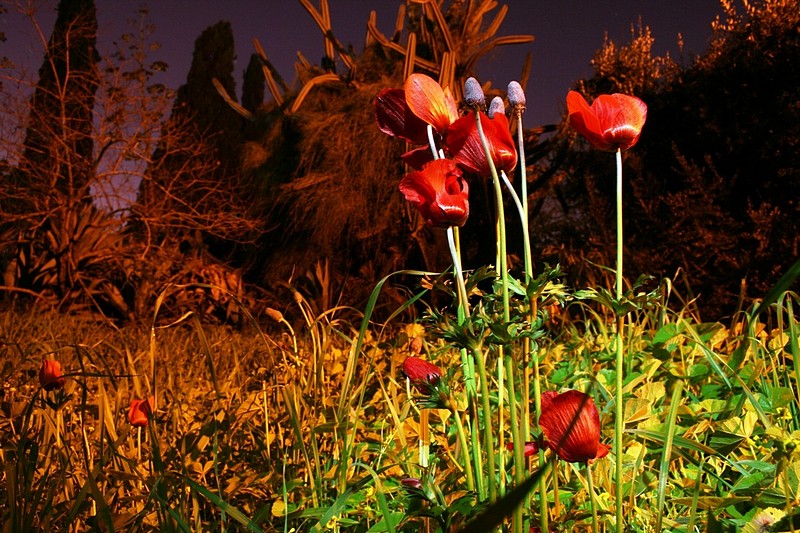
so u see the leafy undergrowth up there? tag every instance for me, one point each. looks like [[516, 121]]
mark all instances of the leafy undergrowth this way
[[311, 426]]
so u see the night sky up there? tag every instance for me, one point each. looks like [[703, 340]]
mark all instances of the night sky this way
[[567, 35]]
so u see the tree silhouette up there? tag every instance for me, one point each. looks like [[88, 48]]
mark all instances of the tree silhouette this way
[[193, 193], [712, 188], [58, 143]]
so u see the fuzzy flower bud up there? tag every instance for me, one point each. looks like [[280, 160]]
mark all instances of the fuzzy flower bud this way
[[473, 94], [496, 107], [516, 96]]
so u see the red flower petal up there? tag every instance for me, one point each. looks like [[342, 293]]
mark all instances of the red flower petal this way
[[396, 119], [613, 121], [439, 193], [547, 399], [139, 413], [429, 102], [418, 157], [51, 376], [464, 142], [530, 448], [571, 427], [421, 373]]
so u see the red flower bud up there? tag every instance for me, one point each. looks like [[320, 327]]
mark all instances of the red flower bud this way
[[50, 375], [571, 426], [422, 374], [139, 413]]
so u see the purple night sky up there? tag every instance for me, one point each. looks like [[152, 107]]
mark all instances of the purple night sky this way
[[567, 35]]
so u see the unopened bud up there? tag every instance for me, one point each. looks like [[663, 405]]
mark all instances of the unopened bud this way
[[496, 107], [274, 314], [473, 94], [516, 96]]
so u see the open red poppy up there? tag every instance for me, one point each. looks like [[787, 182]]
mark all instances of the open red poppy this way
[[571, 426], [439, 193], [612, 122]]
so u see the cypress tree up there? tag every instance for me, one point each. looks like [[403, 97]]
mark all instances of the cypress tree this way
[[58, 146]]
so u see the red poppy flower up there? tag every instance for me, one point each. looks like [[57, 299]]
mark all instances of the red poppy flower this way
[[612, 122], [431, 103], [530, 448], [439, 192], [412, 482], [406, 112], [139, 413], [422, 374], [51, 376], [571, 426], [464, 142], [395, 118]]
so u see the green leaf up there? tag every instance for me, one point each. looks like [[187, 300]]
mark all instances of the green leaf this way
[[495, 514], [223, 506]]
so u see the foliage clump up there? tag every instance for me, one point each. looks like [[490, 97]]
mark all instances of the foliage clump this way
[[714, 181]]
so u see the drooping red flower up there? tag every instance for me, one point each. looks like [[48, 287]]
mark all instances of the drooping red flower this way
[[425, 376], [139, 413], [571, 426], [439, 192], [51, 376], [412, 482], [464, 143], [612, 122]]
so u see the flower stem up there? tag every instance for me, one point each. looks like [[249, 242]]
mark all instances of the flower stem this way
[[523, 214], [523, 178], [462, 440], [469, 374], [529, 362], [618, 407], [516, 439], [487, 419], [463, 303], [501, 222], [592, 498], [432, 142]]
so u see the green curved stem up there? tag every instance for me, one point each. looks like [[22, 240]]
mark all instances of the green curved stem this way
[[462, 440], [592, 498], [463, 303], [487, 419], [618, 406], [527, 361]]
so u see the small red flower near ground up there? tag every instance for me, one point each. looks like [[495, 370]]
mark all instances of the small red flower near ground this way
[[423, 375], [613, 121], [530, 448], [412, 482], [51, 376], [571, 426], [139, 413], [439, 193]]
